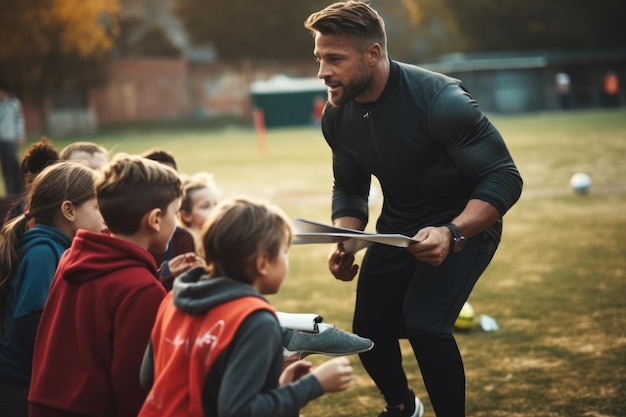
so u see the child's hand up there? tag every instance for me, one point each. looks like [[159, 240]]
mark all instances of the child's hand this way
[[295, 371], [334, 375], [184, 262]]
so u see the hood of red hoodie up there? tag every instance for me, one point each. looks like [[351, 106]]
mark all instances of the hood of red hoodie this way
[[95, 255]]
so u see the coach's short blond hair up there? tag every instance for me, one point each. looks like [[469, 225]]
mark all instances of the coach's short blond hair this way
[[352, 18]]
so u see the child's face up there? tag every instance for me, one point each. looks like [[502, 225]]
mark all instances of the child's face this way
[[167, 225], [276, 271], [203, 201], [87, 216]]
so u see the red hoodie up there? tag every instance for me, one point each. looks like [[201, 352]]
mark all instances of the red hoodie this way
[[94, 330]]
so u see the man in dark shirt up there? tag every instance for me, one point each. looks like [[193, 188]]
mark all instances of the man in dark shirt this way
[[447, 179]]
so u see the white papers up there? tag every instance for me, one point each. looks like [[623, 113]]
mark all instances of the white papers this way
[[308, 231], [306, 322], [349, 244]]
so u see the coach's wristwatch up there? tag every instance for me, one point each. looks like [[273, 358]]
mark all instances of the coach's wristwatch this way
[[458, 240]]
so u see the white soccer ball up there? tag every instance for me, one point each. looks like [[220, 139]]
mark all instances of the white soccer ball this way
[[580, 183]]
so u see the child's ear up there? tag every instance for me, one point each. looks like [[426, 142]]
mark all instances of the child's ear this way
[[185, 216], [67, 210], [262, 263], [153, 219]]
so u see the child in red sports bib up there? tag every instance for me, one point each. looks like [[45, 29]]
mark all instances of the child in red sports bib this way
[[216, 347]]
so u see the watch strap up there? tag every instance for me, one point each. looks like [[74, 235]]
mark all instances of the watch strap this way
[[458, 240], [456, 232]]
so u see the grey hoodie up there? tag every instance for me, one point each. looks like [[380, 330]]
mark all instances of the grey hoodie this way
[[243, 381]]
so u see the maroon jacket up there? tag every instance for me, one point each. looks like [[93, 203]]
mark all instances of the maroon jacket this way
[[94, 330]]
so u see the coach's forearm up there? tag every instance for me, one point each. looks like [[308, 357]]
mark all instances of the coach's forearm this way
[[349, 222]]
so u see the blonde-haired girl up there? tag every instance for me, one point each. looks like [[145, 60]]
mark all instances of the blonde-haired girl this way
[[200, 196]]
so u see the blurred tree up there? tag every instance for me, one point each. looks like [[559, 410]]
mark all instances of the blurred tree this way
[[55, 45], [486, 25], [155, 42], [418, 30], [250, 29], [136, 40], [125, 40]]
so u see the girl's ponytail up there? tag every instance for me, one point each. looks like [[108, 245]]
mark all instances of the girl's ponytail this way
[[10, 236]]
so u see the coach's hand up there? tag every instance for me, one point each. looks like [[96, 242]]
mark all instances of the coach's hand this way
[[433, 246], [341, 263]]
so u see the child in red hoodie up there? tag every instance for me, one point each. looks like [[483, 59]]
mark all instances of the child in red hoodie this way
[[104, 298]]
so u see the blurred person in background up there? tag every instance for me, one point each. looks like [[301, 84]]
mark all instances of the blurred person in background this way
[[12, 134], [562, 84], [611, 89]]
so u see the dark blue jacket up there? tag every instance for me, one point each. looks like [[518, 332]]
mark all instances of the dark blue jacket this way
[[41, 249]]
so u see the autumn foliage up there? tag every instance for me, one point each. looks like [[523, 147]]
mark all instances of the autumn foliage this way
[[49, 45]]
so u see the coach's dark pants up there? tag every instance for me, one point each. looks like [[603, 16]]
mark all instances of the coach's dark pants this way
[[398, 297]]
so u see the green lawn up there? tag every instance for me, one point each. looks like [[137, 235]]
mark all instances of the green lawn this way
[[557, 286]]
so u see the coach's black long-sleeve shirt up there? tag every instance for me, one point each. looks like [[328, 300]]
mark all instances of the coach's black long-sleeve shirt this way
[[429, 145]]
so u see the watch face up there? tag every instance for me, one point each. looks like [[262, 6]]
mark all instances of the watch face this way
[[459, 244]]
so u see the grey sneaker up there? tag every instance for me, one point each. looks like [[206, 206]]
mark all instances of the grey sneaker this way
[[407, 412], [329, 341]]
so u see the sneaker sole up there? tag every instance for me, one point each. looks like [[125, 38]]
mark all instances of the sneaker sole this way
[[419, 408], [304, 353]]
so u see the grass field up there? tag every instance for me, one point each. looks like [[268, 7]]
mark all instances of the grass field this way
[[557, 286]]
